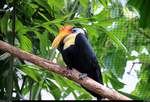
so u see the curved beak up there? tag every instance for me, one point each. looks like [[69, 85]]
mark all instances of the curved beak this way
[[62, 33]]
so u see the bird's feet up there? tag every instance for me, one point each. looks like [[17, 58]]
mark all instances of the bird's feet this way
[[82, 75]]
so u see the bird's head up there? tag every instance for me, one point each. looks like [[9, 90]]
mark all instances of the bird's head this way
[[67, 31]]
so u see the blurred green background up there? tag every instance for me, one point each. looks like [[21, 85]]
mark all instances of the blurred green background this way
[[119, 31]]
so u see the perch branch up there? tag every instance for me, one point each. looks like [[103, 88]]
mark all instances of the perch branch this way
[[53, 67]]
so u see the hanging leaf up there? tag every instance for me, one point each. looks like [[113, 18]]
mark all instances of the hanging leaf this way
[[25, 43], [4, 23], [31, 71]]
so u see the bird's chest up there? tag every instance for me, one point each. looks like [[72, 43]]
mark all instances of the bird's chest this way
[[70, 52], [70, 56], [74, 58]]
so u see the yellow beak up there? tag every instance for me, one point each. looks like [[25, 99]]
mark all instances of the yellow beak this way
[[63, 33]]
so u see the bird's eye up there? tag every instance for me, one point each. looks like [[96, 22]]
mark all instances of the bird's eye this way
[[74, 30], [78, 30]]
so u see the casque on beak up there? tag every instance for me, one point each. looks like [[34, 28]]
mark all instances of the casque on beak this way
[[64, 31]]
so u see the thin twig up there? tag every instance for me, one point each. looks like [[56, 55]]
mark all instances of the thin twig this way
[[133, 66]]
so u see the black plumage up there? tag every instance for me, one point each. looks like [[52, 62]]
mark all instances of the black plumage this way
[[82, 57]]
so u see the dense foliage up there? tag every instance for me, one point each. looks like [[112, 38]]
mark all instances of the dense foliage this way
[[115, 30]]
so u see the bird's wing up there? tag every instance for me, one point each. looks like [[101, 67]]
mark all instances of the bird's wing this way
[[86, 48]]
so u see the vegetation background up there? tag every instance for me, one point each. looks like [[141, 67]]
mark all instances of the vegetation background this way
[[119, 31]]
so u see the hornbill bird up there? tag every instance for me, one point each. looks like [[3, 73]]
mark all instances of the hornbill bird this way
[[77, 53]]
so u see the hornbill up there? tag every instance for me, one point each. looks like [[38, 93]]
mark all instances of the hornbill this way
[[77, 53]]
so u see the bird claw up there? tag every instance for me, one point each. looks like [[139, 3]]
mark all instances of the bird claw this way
[[82, 75]]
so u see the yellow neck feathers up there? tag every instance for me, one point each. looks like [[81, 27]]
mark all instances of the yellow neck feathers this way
[[69, 40]]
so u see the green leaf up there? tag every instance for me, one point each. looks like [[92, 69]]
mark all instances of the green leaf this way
[[143, 7], [55, 3], [50, 29], [107, 22], [9, 1], [36, 90], [117, 42], [144, 58], [54, 89], [84, 97], [120, 30], [4, 56], [117, 67], [84, 3], [43, 16], [28, 10], [74, 86], [85, 8], [115, 82], [143, 86], [4, 23], [103, 15], [130, 96], [21, 29], [142, 90], [25, 43], [18, 24], [63, 82], [44, 43], [44, 4], [67, 92], [31, 71], [103, 2]]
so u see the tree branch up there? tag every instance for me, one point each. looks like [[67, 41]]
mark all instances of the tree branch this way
[[45, 64]]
